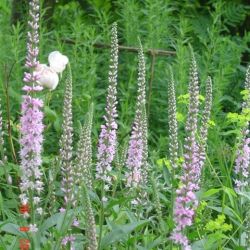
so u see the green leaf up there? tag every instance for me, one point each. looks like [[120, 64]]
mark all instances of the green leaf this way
[[50, 114], [51, 221], [210, 192], [245, 194], [119, 233], [231, 194], [155, 243], [12, 229]]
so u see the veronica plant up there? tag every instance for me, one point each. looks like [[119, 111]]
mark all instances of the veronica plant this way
[[173, 126], [108, 136], [66, 141], [31, 124], [137, 164], [186, 201], [83, 161], [242, 162]]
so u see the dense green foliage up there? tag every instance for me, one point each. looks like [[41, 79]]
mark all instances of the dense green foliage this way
[[217, 31]]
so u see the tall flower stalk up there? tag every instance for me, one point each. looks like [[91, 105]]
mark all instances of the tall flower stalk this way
[[84, 153], [108, 136], [203, 132], [31, 123], [173, 135], [242, 163], [172, 123], [186, 201], [66, 141], [137, 164]]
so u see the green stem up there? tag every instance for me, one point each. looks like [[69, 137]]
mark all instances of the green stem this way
[[172, 202], [101, 218]]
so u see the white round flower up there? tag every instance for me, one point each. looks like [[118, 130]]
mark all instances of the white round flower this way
[[57, 61], [47, 77], [33, 228]]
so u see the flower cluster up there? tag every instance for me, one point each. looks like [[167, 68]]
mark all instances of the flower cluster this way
[[194, 157], [84, 153], [31, 120], [107, 138], [33, 41], [68, 239], [204, 123], [173, 127], [242, 163], [66, 142], [31, 141], [48, 75], [137, 151]]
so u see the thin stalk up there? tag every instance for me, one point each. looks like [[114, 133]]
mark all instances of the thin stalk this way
[[101, 217], [6, 90], [172, 202]]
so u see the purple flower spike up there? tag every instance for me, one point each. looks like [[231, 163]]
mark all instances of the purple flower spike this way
[[186, 201], [242, 163], [31, 119], [138, 148], [107, 137]]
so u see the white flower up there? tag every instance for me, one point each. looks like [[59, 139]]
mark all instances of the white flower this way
[[57, 61], [33, 228], [47, 77], [26, 215], [24, 199], [39, 210], [36, 200], [104, 199]]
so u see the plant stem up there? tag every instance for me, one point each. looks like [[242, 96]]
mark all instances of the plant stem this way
[[101, 218]]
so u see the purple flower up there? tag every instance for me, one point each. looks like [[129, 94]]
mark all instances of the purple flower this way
[[137, 151], [68, 239], [31, 119], [107, 137], [75, 223], [31, 144], [242, 162], [33, 40], [194, 157]]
